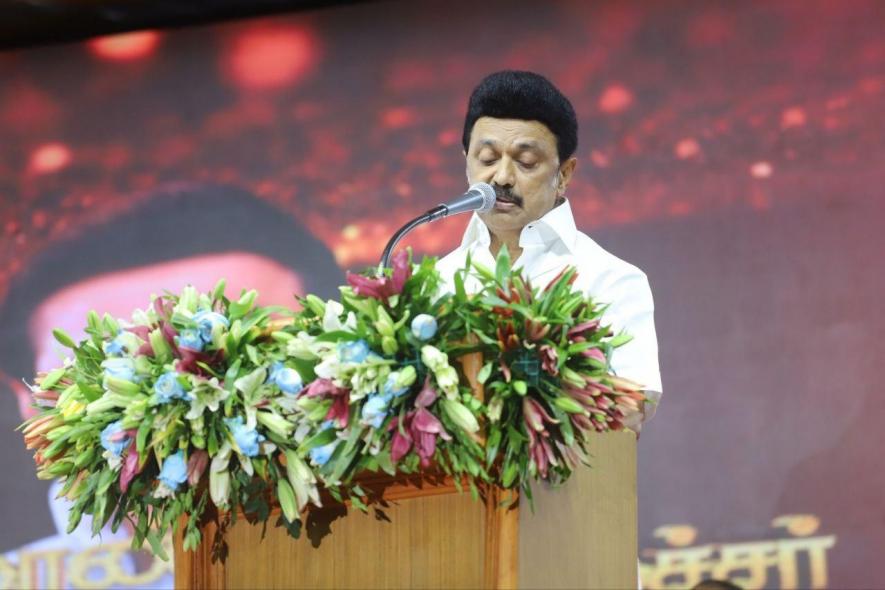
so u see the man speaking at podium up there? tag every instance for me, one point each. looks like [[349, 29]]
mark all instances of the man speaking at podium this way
[[520, 136]]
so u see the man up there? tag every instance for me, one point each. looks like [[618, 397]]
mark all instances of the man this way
[[182, 234], [520, 136]]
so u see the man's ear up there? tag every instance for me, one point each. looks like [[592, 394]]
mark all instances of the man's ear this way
[[466, 171], [565, 175]]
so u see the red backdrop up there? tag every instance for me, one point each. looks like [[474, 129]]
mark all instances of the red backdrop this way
[[732, 150]]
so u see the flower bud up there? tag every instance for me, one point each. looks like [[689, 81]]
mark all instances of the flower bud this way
[[389, 345], [219, 487], [286, 497], [275, 423], [196, 465], [494, 409], [384, 325], [569, 405], [460, 415], [423, 326]]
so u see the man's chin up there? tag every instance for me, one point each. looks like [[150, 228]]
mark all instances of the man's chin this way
[[498, 221]]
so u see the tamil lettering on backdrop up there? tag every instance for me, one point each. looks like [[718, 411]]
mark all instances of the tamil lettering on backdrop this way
[[109, 565], [797, 561]]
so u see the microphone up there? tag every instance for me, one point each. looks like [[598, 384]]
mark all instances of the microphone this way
[[479, 197]]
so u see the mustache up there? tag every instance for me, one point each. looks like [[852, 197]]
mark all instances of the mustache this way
[[507, 194]]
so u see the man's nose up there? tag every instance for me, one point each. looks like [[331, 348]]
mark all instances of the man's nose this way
[[503, 173]]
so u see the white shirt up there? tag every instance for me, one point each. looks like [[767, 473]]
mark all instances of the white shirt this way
[[554, 242]]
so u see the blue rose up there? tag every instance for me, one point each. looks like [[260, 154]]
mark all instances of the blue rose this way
[[121, 368], [321, 455], [169, 388], [174, 471], [247, 438], [355, 351], [207, 320], [424, 327], [375, 410], [114, 438], [390, 388], [190, 339], [114, 347], [288, 380]]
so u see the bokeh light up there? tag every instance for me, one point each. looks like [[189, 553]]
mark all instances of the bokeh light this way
[[125, 46], [270, 56], [49, 158]]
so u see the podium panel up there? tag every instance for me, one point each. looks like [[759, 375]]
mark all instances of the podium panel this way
[[430, 542], [584, 534], [581, 535]]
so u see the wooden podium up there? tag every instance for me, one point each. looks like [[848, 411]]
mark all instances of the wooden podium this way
[[428, 535]]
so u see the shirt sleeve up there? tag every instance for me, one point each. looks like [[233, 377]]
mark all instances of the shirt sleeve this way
[[631, 309]]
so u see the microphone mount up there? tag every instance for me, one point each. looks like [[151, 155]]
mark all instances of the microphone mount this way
[[480, 197]]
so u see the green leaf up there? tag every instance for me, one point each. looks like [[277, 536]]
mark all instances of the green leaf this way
[[144, 429], [492, 444], [336, 336], [218, 291], [357, 503], [157, 545], [510, 473], [89, 390], [620, 339], [460, 291], [483, 272], [319, 439], [502, 266], [385, 463]]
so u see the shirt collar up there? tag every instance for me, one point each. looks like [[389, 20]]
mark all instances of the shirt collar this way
[[558, 225]]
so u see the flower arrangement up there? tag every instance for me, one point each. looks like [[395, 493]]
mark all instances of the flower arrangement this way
[[200, 401]]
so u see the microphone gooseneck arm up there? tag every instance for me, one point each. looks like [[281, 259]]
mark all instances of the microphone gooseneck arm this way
[[401, 232], [480, 197]]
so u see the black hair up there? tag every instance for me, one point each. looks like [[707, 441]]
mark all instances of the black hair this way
[[513, 94], [171, 223]]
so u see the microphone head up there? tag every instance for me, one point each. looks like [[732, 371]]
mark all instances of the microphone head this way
[[488, 195]]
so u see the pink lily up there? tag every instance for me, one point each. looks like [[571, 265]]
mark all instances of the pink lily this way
[[549, 359], [419, 428], [427, 395], [535, 416], [143, 332], [129, 469], [187, 363], [46, 398], [123, 435], [382, 288], [401, 272], [425, 428], [595, 353], [325, 388], [582, 328], [196, 465], [163, 307]]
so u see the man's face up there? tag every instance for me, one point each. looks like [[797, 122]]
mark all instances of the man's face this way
[[518, 158]]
